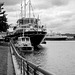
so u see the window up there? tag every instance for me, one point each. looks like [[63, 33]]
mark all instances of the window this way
[[27, 39], [23, 39]]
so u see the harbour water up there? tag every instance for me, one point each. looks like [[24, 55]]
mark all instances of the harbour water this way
[[56, 57]]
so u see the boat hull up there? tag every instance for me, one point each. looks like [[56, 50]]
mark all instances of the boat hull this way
[[55, 39], [35, 37], [26, 49]]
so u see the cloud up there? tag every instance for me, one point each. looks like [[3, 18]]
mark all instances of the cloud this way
[[13, 17], [58, 15], [11, 8], [60, 19], [10, 2], [59, 2], [42, 4], [45, 4]]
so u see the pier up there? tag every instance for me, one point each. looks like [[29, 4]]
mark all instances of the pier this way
[[24, 67], [12, 63], [6, 66]]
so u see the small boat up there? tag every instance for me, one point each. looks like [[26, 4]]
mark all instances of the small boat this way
[[24, 44]]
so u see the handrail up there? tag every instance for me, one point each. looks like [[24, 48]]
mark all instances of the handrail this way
[[29, 64]]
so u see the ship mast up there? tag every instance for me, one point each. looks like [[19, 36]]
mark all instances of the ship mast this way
[[21, 10], [24, 8], [24, 14], [29, 8]]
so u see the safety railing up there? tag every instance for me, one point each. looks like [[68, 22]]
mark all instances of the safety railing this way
[[26, 67]]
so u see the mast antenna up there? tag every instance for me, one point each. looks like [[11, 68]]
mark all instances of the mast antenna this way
[[29, 8], [21, 10], [25, 8]]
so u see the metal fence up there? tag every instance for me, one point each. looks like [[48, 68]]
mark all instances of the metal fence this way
[[26, 67]]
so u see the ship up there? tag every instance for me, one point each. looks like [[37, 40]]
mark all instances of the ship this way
[[55, 37], [24, 44], [29, 27]]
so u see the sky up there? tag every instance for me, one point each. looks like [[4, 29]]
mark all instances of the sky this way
[[57, 15]]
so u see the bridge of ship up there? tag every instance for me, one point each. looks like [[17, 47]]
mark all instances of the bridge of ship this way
[[28, 21]]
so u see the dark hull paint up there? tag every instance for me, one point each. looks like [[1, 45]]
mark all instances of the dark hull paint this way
[[35, 37]]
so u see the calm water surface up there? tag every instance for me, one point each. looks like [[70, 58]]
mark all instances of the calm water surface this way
[[57, 57]]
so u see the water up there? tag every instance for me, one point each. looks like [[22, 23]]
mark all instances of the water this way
[[56, 57]]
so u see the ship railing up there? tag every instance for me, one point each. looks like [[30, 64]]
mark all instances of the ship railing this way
[[25, 67]]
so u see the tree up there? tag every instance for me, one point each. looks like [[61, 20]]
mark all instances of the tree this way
[[3, 20]]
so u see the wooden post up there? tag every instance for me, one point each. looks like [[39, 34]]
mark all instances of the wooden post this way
[[23, 68], [27, 69]]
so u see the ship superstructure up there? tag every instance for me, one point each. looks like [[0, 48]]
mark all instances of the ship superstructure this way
[[29, 27]]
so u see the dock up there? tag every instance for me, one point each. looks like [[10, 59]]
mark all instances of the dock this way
[[12, 63], [6, 67]]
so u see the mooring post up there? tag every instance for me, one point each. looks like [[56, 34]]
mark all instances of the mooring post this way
[[27, 69], [23, 68]]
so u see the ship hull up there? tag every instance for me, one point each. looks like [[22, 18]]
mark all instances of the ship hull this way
[[35, 37], [55, 38]]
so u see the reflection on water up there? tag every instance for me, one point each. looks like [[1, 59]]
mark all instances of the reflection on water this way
[[55, 56]]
